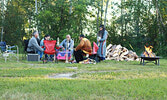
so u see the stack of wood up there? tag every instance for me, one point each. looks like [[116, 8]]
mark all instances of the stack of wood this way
[[119, 53]]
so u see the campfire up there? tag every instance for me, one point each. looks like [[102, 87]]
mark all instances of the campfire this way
[[148, 55], [148, 52]]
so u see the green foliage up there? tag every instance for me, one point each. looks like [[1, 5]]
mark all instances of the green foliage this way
[[139, 24], [133, 22], [56, 20]]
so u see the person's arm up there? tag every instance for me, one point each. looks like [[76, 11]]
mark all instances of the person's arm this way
[[35, 44], [61, 44], [41, 43], [104, 37], [80, 45]]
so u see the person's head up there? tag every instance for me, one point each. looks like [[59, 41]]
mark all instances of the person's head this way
[[47, 37], [101, 27], [35, 34], [68, 37], [81, 37]]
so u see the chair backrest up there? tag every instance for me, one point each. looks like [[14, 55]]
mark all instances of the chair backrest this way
[[95, 48], [50, 46], [3, 46]]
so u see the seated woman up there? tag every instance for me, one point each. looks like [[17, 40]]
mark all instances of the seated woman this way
[[67, 44], [46, 37]]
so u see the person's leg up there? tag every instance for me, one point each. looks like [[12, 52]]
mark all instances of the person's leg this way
[[78, 56], [72, 51], [46, 56], [39, 53]]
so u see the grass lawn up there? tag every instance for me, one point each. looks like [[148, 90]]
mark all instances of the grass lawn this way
[[108, 80]]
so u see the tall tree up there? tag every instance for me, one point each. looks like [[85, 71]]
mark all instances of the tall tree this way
[[106, 13]]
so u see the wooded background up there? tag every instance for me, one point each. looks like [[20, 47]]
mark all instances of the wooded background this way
[[131, 23]]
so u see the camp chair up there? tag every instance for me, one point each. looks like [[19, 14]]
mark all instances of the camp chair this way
[[9, 51], [49, 46], [61, 55]]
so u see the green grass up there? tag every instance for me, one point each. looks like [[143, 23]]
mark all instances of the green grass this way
[[41, 88], [107, 80], [31, 72]]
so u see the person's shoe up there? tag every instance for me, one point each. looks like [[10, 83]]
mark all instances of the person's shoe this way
[[71, 60]]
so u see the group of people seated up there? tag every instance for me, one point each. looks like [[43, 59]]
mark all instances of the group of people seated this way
[[83, 48]]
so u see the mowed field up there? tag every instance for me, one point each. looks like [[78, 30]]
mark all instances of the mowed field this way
[[107, 80]]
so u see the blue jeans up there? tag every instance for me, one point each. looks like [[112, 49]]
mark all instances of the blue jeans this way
[[40, 53]]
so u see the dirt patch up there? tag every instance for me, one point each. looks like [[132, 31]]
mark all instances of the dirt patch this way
[[63, 75]]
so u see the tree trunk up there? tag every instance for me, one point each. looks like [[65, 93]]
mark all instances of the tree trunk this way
[[70, 11], [98, 17], [106, 13], [122, 19], [101, 11]]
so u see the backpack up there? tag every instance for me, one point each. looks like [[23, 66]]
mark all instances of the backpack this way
[[26, 44]]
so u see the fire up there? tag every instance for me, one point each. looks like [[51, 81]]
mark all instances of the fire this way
[[148, 52]]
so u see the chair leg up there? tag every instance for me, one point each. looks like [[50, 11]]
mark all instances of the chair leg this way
[[158, 62], [55, 57], [44, 60], [143, 62]]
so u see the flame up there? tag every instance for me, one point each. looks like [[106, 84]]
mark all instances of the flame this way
[[148, 52]]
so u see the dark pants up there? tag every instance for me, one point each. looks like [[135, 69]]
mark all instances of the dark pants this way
[[33, 52], [79, 55]]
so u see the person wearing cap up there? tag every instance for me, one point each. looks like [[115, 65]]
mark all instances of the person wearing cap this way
[[33, 46], [83, 48], [101, 38], [67, 44]]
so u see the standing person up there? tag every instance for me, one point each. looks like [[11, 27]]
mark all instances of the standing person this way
[[67, 44], [33, 46], [101, 38], [46, 37], [83, 48]]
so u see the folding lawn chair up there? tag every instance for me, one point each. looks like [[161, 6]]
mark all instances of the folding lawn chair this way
[[8, 51], [49, 46], [61, 55]]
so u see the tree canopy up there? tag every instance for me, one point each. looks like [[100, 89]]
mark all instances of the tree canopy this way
[[131, 23]]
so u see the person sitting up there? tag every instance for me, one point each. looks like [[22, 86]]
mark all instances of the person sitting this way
[[46, 37], [67, 44], [33, 46], [83, 48]]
